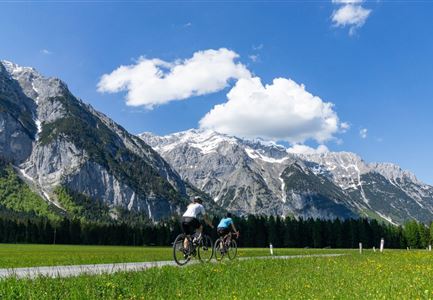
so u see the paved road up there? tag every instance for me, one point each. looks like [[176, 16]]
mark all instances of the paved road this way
[[75, 270]]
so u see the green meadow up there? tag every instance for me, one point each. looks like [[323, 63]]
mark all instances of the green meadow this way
[[27, 255], [394, 274]]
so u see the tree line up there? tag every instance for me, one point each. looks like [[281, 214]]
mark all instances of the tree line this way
[[256, 231]]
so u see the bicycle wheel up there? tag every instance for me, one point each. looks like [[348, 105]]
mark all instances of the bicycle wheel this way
[[205, 249], [181, 256], [219, 250], [232, 250]]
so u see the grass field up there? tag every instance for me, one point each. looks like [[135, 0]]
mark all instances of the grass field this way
[[391, 275], [13, 256]]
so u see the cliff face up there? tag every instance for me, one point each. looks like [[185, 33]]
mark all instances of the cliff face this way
[[55, 140]]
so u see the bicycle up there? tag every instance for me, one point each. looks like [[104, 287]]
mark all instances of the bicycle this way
[[226, 245], [202, 247]]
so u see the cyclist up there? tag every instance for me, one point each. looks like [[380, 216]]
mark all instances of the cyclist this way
[[190, 220], [226, 225]]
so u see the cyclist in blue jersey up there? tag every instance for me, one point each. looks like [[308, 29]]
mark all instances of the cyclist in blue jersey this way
[[226, 225]]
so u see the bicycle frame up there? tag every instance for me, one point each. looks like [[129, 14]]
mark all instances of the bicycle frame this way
[[198, 248]]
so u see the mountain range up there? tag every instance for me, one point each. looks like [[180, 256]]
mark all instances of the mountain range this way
[[59, 153], [257, 177]]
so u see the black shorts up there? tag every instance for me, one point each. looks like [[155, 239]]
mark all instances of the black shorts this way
[[222, 231], [189, 225]]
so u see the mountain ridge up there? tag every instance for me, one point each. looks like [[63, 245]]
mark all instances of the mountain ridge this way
[[380, 190], [55, 140]]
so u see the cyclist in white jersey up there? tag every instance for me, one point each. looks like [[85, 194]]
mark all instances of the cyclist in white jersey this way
[[190, 219]]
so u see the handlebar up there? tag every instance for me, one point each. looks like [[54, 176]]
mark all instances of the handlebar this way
[[236, 234]]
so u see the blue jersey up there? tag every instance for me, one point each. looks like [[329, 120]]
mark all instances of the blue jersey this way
[[225, 223]]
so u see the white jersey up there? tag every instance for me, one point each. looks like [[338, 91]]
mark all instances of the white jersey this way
[[194, 210]]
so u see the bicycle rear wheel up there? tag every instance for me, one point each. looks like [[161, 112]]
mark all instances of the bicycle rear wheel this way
[[205, 249], [181, 256], [219, 250], [232, 250]]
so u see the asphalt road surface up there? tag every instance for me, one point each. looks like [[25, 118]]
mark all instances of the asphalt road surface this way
[[75, 270]]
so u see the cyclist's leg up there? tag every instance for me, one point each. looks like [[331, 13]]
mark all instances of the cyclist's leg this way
[[199, 231], [221, 233], [186, 228], [185, 243], [227, 236]]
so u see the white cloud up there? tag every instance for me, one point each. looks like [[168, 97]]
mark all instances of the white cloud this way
[[46, 52], [306, 150], [283, 110], [351, 14], [152, 82], [254, 57], [344, 127], [363, 133]]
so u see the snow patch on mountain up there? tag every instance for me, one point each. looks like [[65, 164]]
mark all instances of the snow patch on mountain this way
[[386, 218], [257, 155], [283, 190], [14, 69]]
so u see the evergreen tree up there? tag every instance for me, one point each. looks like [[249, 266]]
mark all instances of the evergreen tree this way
[[411, 234]]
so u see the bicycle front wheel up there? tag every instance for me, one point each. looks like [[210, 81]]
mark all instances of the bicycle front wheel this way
[[180, 254], [205, 249], [233, 249], [219, 250]]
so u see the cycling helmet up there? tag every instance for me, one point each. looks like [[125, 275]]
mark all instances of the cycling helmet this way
[[198, 199]]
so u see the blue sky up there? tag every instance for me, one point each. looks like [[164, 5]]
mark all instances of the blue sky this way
[[378, 76]]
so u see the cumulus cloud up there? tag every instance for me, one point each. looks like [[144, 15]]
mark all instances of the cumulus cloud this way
[[350, 14], [151, 82], [306, 150], [283, 110], [363, 133]]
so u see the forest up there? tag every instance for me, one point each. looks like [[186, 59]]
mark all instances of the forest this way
[[255, 231]]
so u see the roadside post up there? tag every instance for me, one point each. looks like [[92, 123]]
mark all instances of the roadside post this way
[[360, 248], [271, 249], [382, 244]]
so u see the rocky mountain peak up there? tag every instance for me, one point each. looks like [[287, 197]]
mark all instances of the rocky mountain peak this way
[[394, 172], [14, 69], [255, 176], [54, 140], [204, 140], [33, 84]]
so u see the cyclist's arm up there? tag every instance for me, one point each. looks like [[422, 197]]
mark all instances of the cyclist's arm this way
[[207, 220], [205, 216], [233, 227]]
